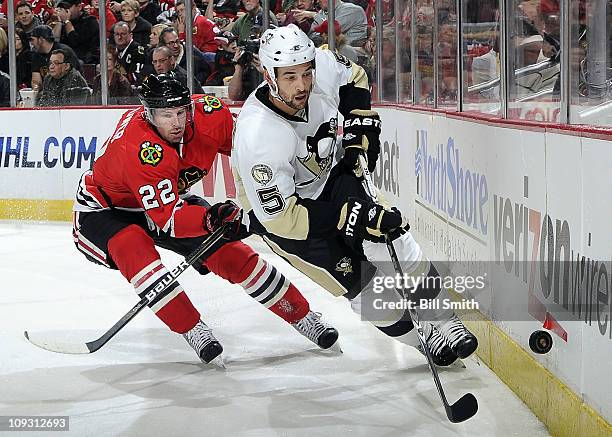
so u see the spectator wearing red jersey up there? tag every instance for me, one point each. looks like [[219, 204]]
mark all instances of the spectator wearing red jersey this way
[[205, 31], [42, 8], [26, 20]]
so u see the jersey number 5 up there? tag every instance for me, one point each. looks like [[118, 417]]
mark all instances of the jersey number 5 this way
[[271, 199], [166, 194]]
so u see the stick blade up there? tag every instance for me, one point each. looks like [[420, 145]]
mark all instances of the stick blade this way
[[53, 345], [463, 409]]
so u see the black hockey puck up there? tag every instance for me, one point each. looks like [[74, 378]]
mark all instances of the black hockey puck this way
[[540, 342]]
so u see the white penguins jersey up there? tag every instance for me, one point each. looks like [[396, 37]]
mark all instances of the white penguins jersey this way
[[278, 158]]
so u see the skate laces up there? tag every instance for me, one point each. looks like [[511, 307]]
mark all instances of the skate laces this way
[[199, 336], [454, 329], [311, 326], [435, 340]]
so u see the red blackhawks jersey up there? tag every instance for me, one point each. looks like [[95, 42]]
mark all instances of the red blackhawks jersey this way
[[136, 170], [42, 8]]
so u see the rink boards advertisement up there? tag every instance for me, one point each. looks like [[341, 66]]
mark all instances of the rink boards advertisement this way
[[530, 209]]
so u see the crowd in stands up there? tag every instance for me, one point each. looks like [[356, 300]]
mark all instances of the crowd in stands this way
[[148, 36], [57, 43]]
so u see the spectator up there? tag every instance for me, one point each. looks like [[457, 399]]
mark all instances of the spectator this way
[[204, 30], [243, 26], [485, 68], [79, 31], [201, 69], [341, 46], [139, 27], [26, 20], [530, 52], [64, 85], [154, 35], [5, 89], [23, 56], [351, 17], [93, 10], [4, 63], [119, 87], [165, 62], [41, 8], [131, 54], [153, 43], [226, 8], [43, 43], [224, 59], [303, 21], [248, 74], [149, 10]]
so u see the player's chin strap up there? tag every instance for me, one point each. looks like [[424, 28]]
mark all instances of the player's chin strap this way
[[467, 405]]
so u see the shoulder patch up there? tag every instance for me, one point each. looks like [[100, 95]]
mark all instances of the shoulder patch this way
[[262, 174], [341, 59], [150, 154], [141, 50], [210, 103]]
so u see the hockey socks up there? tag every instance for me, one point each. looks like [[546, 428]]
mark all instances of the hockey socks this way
[[239, 264], [135, 255]]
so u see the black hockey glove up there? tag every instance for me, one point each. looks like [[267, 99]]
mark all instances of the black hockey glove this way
[[361, 135], [362, 219], [221, 213]]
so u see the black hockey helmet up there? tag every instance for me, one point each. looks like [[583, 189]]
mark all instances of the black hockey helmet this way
[[163, 91]]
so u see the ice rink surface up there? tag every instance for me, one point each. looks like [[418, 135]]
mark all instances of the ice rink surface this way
[[148, 382]]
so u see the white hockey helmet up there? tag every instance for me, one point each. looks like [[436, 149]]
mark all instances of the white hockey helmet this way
[[283, 47]]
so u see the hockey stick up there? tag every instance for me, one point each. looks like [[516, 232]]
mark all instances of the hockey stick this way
[[467, 405], [163, 284]]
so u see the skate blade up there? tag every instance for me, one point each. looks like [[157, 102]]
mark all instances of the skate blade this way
[[334, 349], [217, 362], [458, 364]]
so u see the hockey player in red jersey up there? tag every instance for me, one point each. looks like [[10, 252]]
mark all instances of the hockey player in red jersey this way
[[136, 197]]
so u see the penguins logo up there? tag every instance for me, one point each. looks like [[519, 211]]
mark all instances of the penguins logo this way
[[316, 164], [344, 266], [151, 154], [262, 174]]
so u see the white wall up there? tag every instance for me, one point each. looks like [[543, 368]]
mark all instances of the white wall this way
[[517, 178]]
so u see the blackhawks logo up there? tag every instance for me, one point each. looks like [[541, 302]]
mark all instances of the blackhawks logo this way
[[210, 103], [151, 154]]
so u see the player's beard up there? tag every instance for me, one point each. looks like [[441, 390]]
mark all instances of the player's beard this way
[[296, 104]]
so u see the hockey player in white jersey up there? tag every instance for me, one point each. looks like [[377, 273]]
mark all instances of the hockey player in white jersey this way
[[302, 190]]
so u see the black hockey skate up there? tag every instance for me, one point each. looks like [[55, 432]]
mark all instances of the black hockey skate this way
[[441, 353], [461, 341], [316, 330], [201, 339]]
